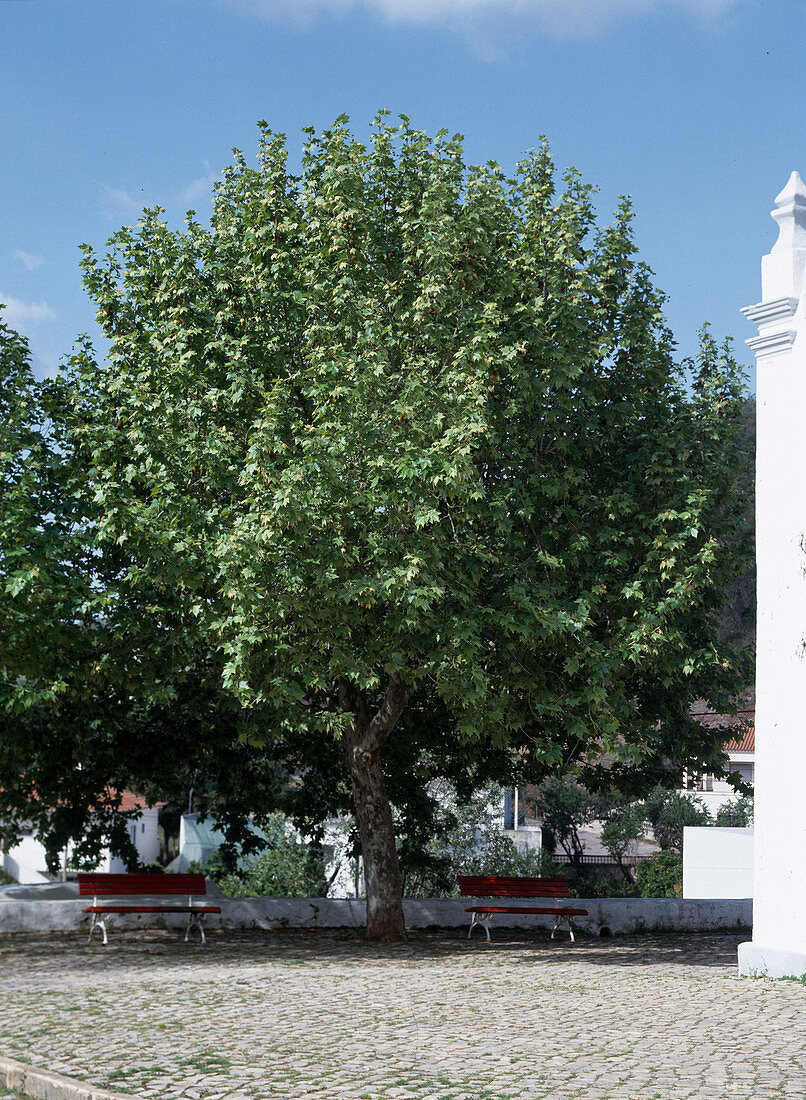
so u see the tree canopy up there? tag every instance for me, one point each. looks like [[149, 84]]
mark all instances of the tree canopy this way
[[392, 433]]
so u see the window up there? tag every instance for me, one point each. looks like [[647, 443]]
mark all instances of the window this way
[[745, 770], [696, 782]]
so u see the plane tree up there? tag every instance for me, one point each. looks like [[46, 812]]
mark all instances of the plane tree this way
[[396, 432]]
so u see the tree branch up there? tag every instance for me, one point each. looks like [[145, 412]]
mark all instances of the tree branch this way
[[387, 715]]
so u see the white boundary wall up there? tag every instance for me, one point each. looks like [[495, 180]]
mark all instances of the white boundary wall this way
[[606, 916], [778, 947], [717, 863]]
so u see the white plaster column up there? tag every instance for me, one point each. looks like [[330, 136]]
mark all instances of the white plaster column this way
[[778, 947]]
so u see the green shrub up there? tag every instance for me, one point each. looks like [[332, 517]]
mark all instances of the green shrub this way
[[668, 812], [737, 814], [602, 886], [6, 879], [470, 842], [661, 876], [287, 868]]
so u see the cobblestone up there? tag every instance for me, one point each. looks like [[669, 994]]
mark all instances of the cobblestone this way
[[323, 1015]]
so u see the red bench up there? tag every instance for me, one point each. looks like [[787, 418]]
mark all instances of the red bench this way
[[498, 886], [145, 885]]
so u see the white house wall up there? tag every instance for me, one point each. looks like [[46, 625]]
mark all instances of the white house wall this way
[[27, 861]]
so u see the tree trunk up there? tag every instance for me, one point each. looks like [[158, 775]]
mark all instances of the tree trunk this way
[[377, 831], [572, 846], [362, 750]]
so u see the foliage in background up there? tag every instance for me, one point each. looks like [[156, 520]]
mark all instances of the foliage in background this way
[[563, 807], [59, 764], [287, 868], [661, 876], [737, 814], [603, 886], [668, 812], [624, 824], [470, 842], [737, 616]]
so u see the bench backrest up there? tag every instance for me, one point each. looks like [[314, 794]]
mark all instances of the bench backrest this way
[[152, 882], [499, 886]]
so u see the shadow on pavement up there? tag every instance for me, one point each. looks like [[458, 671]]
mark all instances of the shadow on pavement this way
[[134, 949]]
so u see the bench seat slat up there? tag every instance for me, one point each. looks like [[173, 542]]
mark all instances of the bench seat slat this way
[[152, 909], [514, 880], [489, 892], [495, 886], [549, 910]]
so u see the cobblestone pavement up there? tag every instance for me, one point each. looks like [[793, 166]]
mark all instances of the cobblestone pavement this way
[[325, 1016]]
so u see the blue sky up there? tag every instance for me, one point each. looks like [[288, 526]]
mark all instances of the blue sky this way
[[696, 108]]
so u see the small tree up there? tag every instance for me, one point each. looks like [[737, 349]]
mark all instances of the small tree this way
[[737, 814], [287, 868], [624, 824], [563, 807], [669, 812], [661, 876]]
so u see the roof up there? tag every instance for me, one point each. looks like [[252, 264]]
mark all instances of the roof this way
[[130, 801], [743, 721], [745, 742]]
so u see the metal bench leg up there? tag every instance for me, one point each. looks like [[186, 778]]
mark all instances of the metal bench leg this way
[[569, 921], [97, 923], [195, 920], [482, 921]]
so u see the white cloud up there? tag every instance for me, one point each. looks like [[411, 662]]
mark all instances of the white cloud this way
[[18, 314], [557, 16], [29, 259], [199, 188], [118, 202]]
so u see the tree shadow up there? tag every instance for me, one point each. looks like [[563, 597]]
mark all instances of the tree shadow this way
[[148, 950]]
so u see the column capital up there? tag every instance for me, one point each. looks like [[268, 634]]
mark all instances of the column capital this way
[[790, 214], [782, 268]]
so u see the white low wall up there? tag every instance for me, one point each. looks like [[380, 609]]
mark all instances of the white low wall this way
[[717, 863], [606, 916]]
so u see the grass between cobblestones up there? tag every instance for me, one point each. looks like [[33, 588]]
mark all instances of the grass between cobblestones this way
[[258, 1016]]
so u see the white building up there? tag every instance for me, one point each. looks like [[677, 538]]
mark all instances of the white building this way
[[26, 862], [741, 750]]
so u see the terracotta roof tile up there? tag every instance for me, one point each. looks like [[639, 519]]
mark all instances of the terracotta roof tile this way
[[746, 742], [131, 801], [744, 720]]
